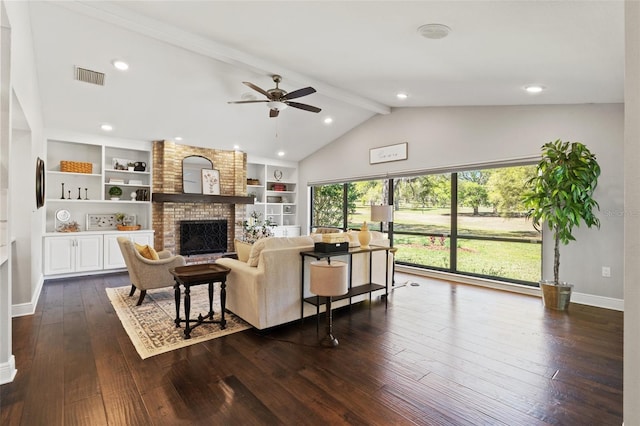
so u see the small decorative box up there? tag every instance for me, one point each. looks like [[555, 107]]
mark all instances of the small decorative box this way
[[331, 247]]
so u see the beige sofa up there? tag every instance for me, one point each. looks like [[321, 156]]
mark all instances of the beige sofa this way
[[265, 290]]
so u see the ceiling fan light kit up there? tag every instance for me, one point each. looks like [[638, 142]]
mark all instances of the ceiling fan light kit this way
[[278, 99]]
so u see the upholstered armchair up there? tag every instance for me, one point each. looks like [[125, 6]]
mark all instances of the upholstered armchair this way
[[146, 274]]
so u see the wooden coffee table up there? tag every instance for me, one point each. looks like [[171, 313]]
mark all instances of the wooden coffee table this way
[[208, 273]]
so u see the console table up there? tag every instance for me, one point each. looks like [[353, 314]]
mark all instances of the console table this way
[[190, 275], [369, 287]]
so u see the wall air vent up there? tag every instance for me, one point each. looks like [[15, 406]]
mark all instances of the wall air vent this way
[[89, 76]]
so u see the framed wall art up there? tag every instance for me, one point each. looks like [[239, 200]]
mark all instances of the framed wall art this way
[[210, 181], [388, 153]]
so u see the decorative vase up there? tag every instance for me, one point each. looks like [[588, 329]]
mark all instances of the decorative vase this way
[[364, 236]]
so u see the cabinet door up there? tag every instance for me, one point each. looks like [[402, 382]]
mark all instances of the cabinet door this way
[[143, 238], [112, 255], [59, 255], [88, 253]]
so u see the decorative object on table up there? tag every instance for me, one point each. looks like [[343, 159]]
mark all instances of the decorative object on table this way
[[115, 192], [139, 166], [76, 167], [277, 174], [62, 197], [152, 330], [69, 227], [40, 187], [86, 193], [364, 236], [328, 280], [254, 228], [121, 163], [134, 196], [326, 247], [211, 181], [388, 153], [102, 222], [561, 194]]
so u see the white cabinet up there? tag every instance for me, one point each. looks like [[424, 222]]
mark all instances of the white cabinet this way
[[275, 190], [113, 256], [286, 231], [72, 253]]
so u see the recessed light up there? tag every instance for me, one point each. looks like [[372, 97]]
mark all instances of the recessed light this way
[[280, 153], [328, 120], [178, 138], [120, 64], [402, 96], [434, 31], [534, 88], [236, 147], [106, 127]]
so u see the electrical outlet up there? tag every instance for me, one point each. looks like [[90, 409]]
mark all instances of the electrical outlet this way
[[606, 271]]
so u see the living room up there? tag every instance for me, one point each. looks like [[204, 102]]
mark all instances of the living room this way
[[439, 138]]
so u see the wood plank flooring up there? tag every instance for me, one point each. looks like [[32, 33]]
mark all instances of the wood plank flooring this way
[[441, 354]]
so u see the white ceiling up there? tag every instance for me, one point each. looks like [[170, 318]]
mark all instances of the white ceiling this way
[[188, 58]]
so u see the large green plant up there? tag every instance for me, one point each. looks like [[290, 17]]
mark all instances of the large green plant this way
[[561, 192]]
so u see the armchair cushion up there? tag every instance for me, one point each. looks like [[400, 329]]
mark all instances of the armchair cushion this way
[[147, 251]]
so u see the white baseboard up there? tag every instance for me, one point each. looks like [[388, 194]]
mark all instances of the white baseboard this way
[[8, 371], [29, 308], [580, 298]]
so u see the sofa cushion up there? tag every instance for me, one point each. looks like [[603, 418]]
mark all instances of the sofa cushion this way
[[147, 252], [275, 242], [243, 249]]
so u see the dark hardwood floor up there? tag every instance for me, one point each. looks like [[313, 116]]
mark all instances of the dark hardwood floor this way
[[442, 354]]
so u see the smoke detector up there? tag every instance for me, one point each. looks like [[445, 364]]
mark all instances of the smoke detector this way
[[434, 31]]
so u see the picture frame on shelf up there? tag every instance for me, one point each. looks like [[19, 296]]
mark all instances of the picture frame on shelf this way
[[121, 163], [210, 181]]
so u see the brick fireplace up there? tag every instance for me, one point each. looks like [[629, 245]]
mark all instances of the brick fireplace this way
[[167, 179]]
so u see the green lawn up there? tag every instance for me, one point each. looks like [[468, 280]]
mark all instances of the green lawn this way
[[518, 261]]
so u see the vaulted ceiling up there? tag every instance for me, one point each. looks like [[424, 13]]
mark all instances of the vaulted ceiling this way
[[189, 58]]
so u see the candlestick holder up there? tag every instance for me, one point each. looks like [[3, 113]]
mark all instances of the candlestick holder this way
[[62, 198], [86, 196], [79, 197]]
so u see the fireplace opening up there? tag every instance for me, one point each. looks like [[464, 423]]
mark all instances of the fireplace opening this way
[[203, 236]]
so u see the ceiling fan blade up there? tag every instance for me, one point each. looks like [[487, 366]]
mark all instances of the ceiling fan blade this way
[[247, 102], [299, 93], [303, 106], [257, 89], [274, 113]]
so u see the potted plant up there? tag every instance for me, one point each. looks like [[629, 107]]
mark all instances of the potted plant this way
[[561, 194], [115, 192]]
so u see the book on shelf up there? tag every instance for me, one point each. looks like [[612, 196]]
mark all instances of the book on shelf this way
[[115, 180]]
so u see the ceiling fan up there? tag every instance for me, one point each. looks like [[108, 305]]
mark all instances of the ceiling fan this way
[[278, 99]]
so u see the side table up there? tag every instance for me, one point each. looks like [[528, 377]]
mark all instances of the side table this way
[[207, 273]]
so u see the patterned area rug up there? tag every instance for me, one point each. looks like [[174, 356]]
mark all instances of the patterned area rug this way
[[151, 328]]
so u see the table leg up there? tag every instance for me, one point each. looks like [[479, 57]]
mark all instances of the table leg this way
[[176, 289], [223, 302], [187, 309], [210, 301]]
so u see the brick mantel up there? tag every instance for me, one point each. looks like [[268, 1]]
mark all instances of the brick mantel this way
[[171, 205]]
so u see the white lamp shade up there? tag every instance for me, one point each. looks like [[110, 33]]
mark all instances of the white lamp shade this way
[[329, 279], [382, 213]]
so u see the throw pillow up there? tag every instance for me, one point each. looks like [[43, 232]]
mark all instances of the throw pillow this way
[[147, 251], [242, 249]]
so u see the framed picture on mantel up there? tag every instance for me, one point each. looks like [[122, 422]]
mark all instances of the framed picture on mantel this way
[[210, 181]]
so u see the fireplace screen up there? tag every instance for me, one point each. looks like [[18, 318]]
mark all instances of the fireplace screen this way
[[203, 236]]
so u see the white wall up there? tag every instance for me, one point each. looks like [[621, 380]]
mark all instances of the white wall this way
[[454, 137], [632, 216]]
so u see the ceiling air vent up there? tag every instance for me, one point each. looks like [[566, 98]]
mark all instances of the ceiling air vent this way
[[89, 76]]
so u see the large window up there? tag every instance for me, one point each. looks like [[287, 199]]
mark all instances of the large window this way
[[469, 222]]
